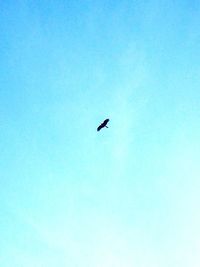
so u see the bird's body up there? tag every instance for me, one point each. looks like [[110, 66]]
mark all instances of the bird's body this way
[[104, 124]]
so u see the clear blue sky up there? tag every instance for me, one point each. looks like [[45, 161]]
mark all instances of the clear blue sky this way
[[127, 196]]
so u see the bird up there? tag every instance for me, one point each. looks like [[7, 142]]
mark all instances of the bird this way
[[104, 124]]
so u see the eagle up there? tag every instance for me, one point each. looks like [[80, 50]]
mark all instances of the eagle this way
[[104, 124]]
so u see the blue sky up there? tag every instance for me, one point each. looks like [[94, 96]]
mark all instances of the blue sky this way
[[126, 196]]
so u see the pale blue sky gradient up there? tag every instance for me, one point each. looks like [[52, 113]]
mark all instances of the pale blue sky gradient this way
[[128, 196]]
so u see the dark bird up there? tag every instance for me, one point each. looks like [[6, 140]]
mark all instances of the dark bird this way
[[104, 124]]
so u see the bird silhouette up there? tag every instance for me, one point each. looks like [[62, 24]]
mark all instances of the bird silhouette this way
[[104, 124]]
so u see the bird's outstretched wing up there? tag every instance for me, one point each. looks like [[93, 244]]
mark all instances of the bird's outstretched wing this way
[[105, 122], [99, 128]]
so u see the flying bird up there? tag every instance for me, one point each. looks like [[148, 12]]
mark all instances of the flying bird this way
[[104, 124]]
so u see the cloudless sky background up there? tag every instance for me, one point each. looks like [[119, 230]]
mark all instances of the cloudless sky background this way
[[125, 196]]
